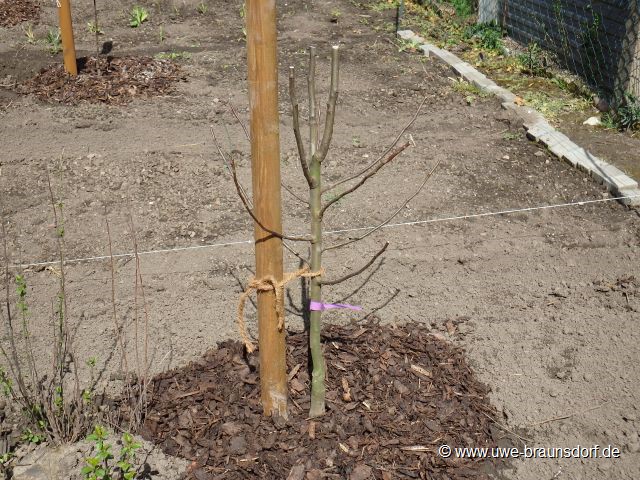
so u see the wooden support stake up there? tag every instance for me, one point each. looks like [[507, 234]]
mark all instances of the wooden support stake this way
[[66, 32], [265, 168]]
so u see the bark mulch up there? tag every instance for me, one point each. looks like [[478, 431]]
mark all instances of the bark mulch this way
[[13, 12], [394, 395], [112, 80]]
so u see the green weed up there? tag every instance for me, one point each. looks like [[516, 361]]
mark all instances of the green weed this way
[[626, 116], [138, 16], [487, 35], [54, 41], [202, 8], [28, 32], [5, 383], [533, 61], [552, 107], [383, 5], [468, 89], [408, 45], [463, 8], [28, 436], [100, 465], [94, 28], [510, 136]]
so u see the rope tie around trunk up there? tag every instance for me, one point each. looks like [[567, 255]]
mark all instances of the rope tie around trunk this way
[[266, 284]]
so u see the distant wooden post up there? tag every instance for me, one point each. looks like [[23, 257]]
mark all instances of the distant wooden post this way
[[628, 77], [489, 11], [265, 169], [66, 32]]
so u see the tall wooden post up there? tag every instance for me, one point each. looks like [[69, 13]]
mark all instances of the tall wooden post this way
[[265, 168], [66, 31]]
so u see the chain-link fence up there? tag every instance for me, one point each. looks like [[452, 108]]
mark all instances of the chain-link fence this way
[[596, 39]]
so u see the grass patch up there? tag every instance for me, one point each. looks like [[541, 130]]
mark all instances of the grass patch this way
[[552, 107], [466, 88]]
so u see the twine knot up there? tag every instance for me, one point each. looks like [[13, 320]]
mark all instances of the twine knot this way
[[265, 284]]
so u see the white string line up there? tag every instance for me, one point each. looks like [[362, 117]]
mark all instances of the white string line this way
[[330, 232]]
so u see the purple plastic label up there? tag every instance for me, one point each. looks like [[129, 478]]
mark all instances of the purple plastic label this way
[[319, 306]]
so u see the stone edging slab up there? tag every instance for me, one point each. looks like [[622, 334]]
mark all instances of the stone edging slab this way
[[537, 127]]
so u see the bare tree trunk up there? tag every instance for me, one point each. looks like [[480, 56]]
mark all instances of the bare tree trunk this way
[[315, 294]]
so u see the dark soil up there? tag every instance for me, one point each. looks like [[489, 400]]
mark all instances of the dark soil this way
[[395, 394], [13, 12], [110, 80]]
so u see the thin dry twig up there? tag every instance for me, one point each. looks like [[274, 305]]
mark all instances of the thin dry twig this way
[[245, 202], [13, 361], [248, 137], [571, 415], [381, 157], [362, 181], [295, 195], [230, 163], [246, 197], [143, 374], [357, 272], [382, 224], [118, 326], [503, 427], [244, 127]]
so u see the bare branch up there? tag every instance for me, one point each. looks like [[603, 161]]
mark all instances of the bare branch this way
[[124, 362], [357, 272], [391, 156], [244, 127], [331, 105], [245, 202], [381, 157], [224, 160], [379, 226], [246, 197], [295, 195], [295, 114], [313, 116]]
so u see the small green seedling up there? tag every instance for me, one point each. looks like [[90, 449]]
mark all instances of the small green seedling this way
[[54, 41], [138, 16], [29, 436], [628, 115], [95, 29], [510, 136], [408, 46], [533, 61], [100, 466], [202, 8], [5, 383], [5, 458]]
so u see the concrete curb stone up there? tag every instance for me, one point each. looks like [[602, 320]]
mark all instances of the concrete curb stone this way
[[537, 127]]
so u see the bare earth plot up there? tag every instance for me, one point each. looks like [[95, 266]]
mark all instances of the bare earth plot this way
[[545, 302]]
